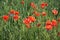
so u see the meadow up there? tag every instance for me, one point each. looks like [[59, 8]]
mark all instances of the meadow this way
[[29, 19]]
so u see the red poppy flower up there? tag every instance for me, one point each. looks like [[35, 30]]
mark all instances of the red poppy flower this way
[[46, 4], [54, 22], [5, 17], [36, 13], [58, 20], [32, 18], [43, 5], [12, 11], [38, 24], [48, 27], [54, 11], [16, 13], [28, 25], [26, 21], [16, 17], [58, 34], [32, 4], [22, 2], [43, 13], [48, 22]]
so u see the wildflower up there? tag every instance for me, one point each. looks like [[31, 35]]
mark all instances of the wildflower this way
[[43, 5], [36, 13], [26, 21], [16, 13], [54, 11], [28, 25], [5, 17], [43, 13], [32, 4], [46, 4], [22, 2], [38, 24], [58, 34], [54, 22], [58, 20], [48, 27], [16, 17], [48, 22], [12, 11], [32, 18]]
